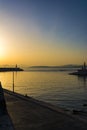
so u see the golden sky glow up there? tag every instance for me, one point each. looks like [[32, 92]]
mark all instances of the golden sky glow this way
[[3, 48]]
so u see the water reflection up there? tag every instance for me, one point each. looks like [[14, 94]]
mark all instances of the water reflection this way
[[58, 88], [83, 79]]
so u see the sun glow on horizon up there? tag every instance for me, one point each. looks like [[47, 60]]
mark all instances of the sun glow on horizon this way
[[2, 49]]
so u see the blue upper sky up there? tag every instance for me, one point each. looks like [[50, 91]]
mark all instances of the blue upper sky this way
[[66, 18]]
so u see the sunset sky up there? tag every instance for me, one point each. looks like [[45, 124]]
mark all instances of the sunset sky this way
[[43, 32]]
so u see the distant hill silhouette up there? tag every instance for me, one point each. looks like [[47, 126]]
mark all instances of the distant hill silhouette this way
[[64, 66]]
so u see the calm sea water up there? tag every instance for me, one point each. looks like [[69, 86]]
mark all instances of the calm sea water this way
[[58, 88]]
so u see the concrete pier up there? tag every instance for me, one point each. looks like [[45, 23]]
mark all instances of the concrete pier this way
[[30, 114]]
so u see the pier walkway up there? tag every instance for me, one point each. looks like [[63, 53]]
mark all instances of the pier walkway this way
[[30, 114]]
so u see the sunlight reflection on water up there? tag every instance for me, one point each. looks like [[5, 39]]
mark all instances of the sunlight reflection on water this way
[[58, 88]]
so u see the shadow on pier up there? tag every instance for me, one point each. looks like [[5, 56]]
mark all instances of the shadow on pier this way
[[5, 120]]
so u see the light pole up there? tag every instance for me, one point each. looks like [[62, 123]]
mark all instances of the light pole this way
[[13, 81]]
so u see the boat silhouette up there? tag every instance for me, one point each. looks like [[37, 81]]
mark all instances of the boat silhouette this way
[[80, 72]]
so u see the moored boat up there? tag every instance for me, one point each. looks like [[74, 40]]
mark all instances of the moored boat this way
[[80, 72]]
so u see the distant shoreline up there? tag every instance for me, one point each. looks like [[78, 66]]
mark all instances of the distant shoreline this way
[[65, 66]]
